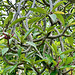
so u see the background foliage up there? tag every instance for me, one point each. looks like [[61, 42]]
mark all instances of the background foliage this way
[[37, 37]]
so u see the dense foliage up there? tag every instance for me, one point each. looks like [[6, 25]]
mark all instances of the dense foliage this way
[[37, 37]]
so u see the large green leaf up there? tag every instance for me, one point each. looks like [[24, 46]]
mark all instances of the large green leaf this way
[[4, 50], [70, 40], [53, 17], [60, 17], [69, 60], [16, 21], [38, 9], [66, 52], [59, 3]]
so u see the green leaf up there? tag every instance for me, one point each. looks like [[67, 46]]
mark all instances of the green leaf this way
[[54, 72], [18, 34], [16, 21], [69, 17], [69, 60], [49, 29], [34, 20], [55, 47], [28, 32], [71, 24], [66, 52], [27, 60], [50, 46], [59, 3], [8, 19], [38, 9], [38, 61], [7, 69], [53, 17], [67, 66], [32, 44], [50, 59], [13, 68], [4, 50], [10, 40], [70, 40], [19, 52], [60, 17], [38, 28]]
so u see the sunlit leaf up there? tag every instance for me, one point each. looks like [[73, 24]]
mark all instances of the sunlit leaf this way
[[58, 12]]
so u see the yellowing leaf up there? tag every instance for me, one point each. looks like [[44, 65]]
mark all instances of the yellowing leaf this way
[[72, 24], [58, 12]]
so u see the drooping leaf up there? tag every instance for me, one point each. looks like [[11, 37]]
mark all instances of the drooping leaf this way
[[60, 17], [4, 50], [53, 17]]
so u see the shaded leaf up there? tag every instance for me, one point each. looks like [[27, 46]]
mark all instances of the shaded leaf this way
[[32, 44]]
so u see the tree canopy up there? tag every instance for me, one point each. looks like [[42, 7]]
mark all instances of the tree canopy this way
[[37, 37]]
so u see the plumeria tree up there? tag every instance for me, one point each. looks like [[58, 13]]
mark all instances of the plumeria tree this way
[[37, 37]]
